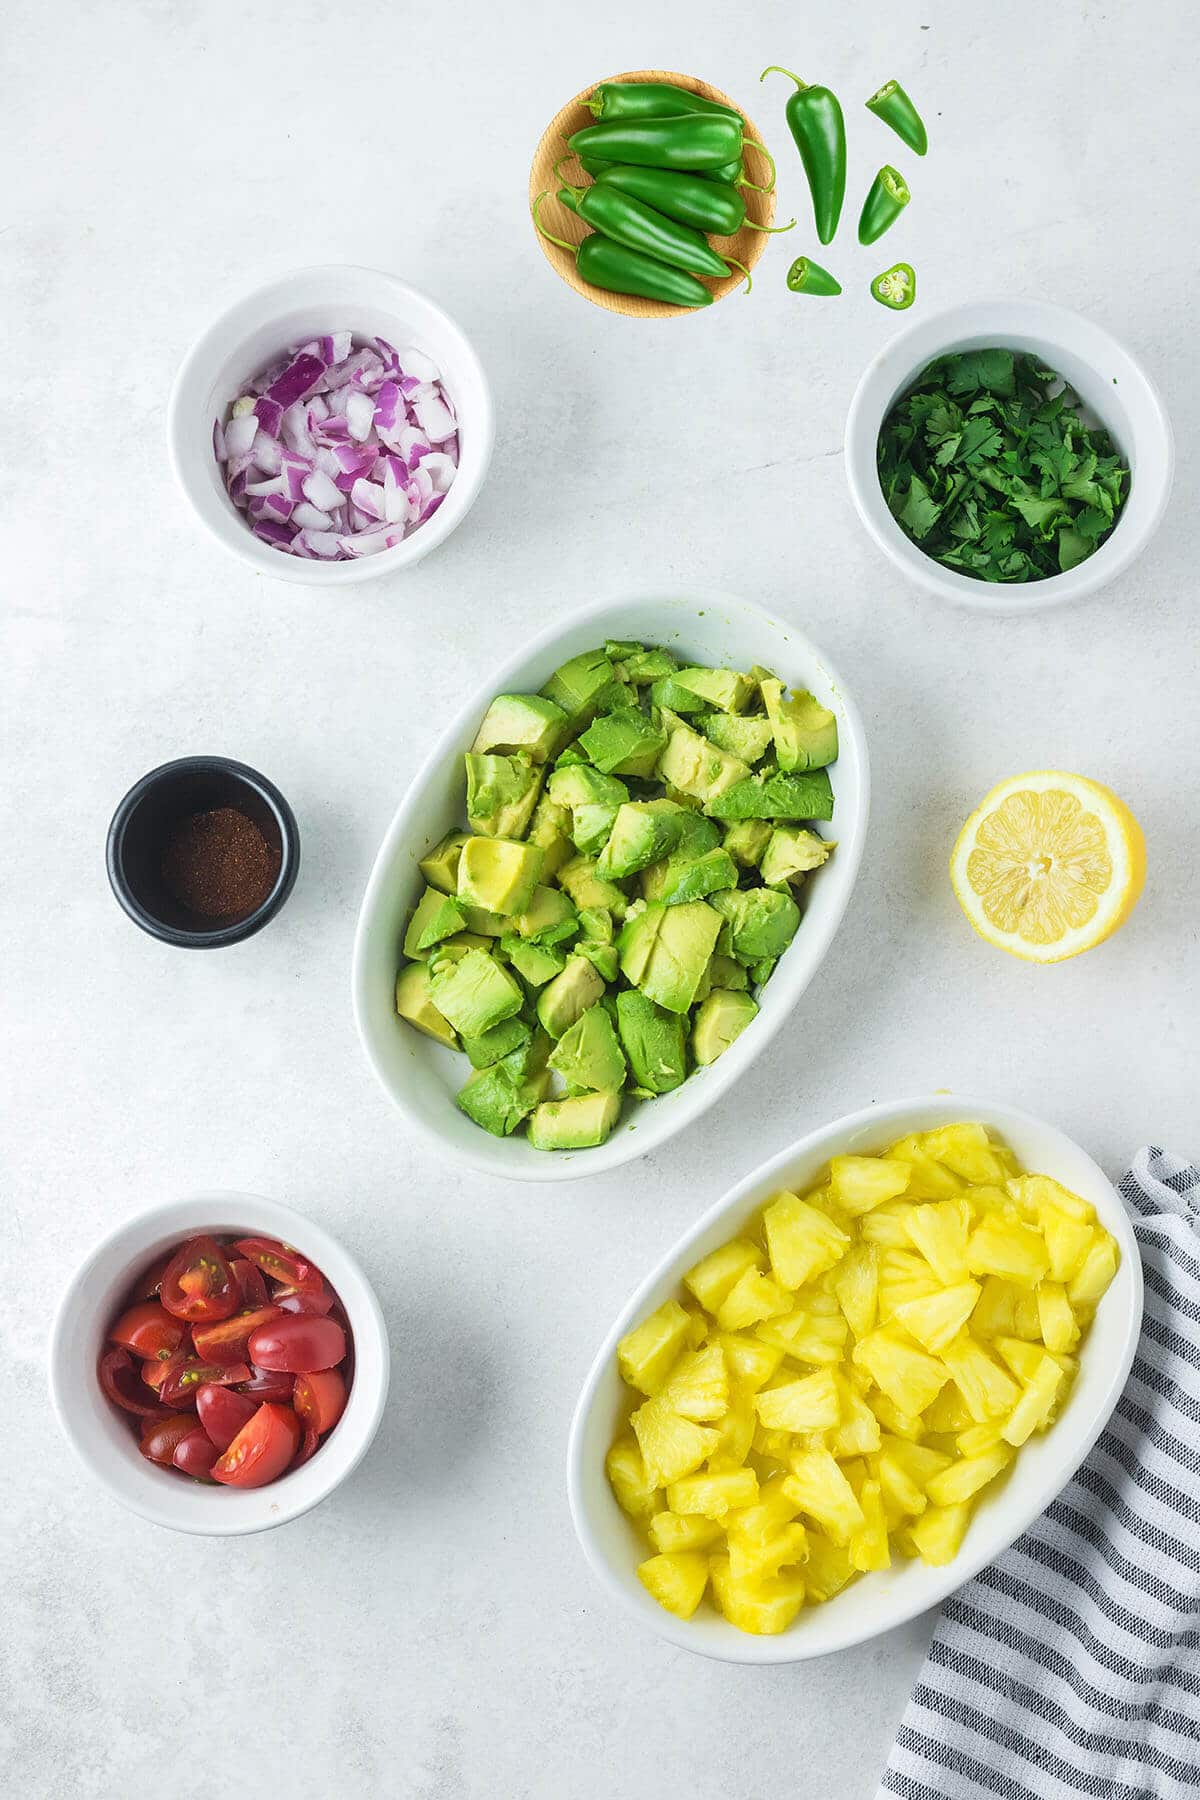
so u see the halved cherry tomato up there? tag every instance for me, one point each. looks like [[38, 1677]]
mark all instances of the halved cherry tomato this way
[[298, 1343], [308, 1443], [267, 1384], [196, 1453], [281, 1262], [302, 1300], [122, 1383], [225, 1342], [251, 1286], [223, 1413], [199, 1284], [320, 1398], [161, 1436], [149, 1284], [188, 1376], [149, 1331], [262, 1449]]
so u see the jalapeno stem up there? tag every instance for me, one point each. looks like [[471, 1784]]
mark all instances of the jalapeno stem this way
[[537, 219], [778, 69], [770, 230], [745, 271], [750, 144]]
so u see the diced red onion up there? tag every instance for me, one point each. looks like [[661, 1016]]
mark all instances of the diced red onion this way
[[320, 490], [311, 518]]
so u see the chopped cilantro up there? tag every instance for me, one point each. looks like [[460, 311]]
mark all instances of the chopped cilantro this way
[[995, 475]]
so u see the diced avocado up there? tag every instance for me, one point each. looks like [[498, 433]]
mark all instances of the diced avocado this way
[[436, 916], [494, 1100], [724, 972], [488, 1049], [414, 1003], [458, 945], [484, 924], [596, 925], [723, 688], [521, 722], [803, 795], [642, 831], [749, 738], [498, 875], [762, 920], [586, 888], [551, 831], [762, 970], [691, 878], [535, 963], [806, 734], [790, 852], [440, 867], [624, 742], [679, 956], [549, 917], [589, 1054], [475, 993], [594, 800], [697, 767], [502, 792], [603, 958], [616, 649], [647, 666], [697, 835], [720, 1019], [571, 757], [666, 692], [747, 840], [653, 1041], [580, 1123], [569, 995], [636, 939], [582, 687]]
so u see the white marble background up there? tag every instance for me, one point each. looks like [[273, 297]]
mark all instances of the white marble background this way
[[433, 1631]]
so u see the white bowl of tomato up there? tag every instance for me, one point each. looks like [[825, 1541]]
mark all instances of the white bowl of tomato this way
[[219, 1363]]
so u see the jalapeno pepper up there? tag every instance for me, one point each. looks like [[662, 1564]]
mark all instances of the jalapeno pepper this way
[[711, 206], [729, 174], [621, 270], [808, 277], [689, 141], [893, 106], [650, 100], [814, 116], [627, 220], [896, 287], [886, 199]]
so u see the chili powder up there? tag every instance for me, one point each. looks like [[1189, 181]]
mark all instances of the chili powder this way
[[219, 865]]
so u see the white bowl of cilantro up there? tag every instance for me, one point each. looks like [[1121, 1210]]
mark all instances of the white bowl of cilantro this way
[[1008, 455]]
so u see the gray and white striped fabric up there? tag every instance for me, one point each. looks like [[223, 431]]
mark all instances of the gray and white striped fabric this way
[[1071, 1666]]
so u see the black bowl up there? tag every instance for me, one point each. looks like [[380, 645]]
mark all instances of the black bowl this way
[[142, 825]]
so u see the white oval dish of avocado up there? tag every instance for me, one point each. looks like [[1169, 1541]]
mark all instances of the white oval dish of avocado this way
[[658, 816]]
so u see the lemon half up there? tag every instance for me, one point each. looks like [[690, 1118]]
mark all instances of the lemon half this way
[[1048, 864]]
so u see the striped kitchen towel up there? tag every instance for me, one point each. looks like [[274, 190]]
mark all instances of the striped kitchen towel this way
[[1071, 1666]]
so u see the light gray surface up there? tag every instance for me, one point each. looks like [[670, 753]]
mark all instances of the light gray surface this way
[[432, 1631]]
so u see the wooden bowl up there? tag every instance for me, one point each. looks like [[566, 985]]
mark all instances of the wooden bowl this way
[[747, 246]]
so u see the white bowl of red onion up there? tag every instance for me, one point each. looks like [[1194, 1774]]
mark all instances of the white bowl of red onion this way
[[333, 426]]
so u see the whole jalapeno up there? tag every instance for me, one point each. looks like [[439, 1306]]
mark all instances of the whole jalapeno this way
[[687, 141], [650, 100], [814, 116], [620, 270], [627, 220]]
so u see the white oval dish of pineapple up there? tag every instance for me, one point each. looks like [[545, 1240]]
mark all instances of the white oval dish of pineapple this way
[[1029, 1414], [488, 1117]]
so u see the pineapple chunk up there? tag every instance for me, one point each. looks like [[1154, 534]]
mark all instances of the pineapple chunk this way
[[1068, 1241], [862, 1182], [735, 1435], [750, 1560], [773, 1509], [802, 1240], [856, 1285], [938, 1318], [938, 1534], [752, 1297], [1026, 1359], [1038, 1191], [676, 1581], [909, 1378], [893, 1418], [967, 1150], [671, 1446], [857, 1431], [1035, 1408], [712, 1278], [869, 1545], [698, 1323], [750, 1362], [939, 1231], [995, 1313], [712, 1496], [988, 1392], [806, 1336], [698, 1385], [828, 1568], [763, 1607], [821, 1491], [645, 1354], [919, 1461], [636, 1493], [962, 1480], [1059, 1330], [903, 1276], [973, 1440], [948, 1412], [1099, 1267], [810, 1404], [669, 1532], [897, 1487], [1000, 1246], [887, 1226], [929, 1180]]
